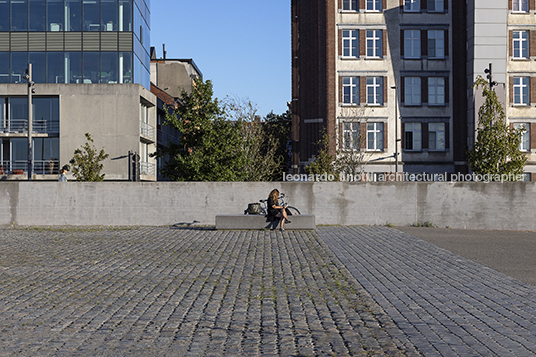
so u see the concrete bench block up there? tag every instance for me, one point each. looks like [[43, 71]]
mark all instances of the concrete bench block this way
[[257, 221]]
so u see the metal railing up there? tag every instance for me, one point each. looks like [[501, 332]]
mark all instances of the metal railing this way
[[147, 168], [21, 126], [147, 130], [20, 167]]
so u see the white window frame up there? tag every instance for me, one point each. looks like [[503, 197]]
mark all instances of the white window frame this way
[[412, 5], [374, 5], [351, 136], [436, 90], [350, 84], [524, 145], [521, 91], [436, 136], [350, 43], [520, 6], [436, 43], [438, 6], [350, 5], [412, 91], [412, 43], [413, 136], [520, 40], [374, 136], [374, 88], [374, 43]]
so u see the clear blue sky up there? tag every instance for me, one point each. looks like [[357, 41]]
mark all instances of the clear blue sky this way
[[243, 46]]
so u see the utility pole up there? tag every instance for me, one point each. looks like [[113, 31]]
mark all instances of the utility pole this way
[[489, 73], [31, 90]]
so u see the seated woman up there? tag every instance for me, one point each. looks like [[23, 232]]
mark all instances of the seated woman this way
[[276, 211]]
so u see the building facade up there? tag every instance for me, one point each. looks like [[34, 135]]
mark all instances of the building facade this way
[[393, 78], [91, 68]]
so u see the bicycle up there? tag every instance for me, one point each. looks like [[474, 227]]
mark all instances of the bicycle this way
[[263, 209]]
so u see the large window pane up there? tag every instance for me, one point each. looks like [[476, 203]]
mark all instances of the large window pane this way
[[91, 15], [55, 11], [46, 114], [4, 15], [4, 67], [125, 15], [73, 15], [91, 67], [19, 63], [73, 67], [109, 67], [45, 155], [125, 67], [37, 59], [109, 15], [37, 15], [55, 70], [18, 115], [19, 15]]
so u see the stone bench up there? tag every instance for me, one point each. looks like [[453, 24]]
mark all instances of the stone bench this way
[[258, 221]]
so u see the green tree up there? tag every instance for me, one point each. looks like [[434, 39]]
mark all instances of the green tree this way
[[209, 147], [496, 150], [86, 163], [278, 127], [324, 161]]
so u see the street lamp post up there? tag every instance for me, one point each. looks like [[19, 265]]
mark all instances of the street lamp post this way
[[28, 76]]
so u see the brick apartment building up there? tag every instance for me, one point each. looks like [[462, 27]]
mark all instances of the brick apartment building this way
[[394, 77]]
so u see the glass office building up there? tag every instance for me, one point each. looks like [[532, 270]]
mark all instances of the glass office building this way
[[75, 41]]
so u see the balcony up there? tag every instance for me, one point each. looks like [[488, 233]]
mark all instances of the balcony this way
[[20, 167], [19, 126], [147, 168], [147, 132]]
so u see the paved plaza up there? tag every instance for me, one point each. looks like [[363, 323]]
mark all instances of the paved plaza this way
[[335, 291]]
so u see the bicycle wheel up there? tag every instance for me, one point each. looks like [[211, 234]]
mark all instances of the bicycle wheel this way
[[293, 210]]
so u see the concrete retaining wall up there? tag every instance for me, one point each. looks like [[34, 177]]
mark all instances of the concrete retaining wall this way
[[456, 205]]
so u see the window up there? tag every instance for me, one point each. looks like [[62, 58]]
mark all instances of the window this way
[[125, 15], [19, 63], [374, 5], [350, 87], [37, 15], [525, 136], [520, 44], [436, 90], [38, 61], [55, 70], [46, 114], [412, 44], [412, 136], [521, 90], [375, 90], [436, 136], [109, 15], [375, 136], [349, 5], [91, 15], [374, 43], [351, 136], [109, 67], [350, 43], [436, 43], [520, 5], [73, 15], [435, 6], [412, 5], [91, 67], [4, 67], [125, 67], [412, 90], [4, 15], [73, 67], [55, 12], [19, 15]]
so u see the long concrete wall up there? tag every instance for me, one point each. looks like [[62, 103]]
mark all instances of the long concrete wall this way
[[510, 206]]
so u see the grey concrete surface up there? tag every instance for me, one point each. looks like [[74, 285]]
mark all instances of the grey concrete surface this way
[[445, 304], [160, 291], [510, 252], [457, 205]]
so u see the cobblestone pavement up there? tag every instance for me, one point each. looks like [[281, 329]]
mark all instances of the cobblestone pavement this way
[[445, 304], [162, 291]]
